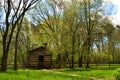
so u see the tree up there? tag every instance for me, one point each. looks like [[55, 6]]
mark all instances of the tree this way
[[92, 18], [71, 28], [14, 11], [16, 43], [90, 24]]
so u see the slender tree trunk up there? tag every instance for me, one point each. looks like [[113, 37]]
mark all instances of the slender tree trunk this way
[[23, 61], [72, 65], [87, 64], [58, 60], [88, 51], [16, 45], [16, 52], [80, 53], [64, 60], [113, 55], [80, 61], [15, 57], [68, 59], [88, 27], [73, 51]]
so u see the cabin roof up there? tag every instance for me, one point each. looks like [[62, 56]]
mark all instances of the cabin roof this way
[[39, 49]]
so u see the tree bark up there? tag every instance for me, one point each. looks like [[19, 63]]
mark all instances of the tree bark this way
[[80, 61], [88, 51], [5, 45], [4, 60], [16, 44], [73, 51], [68, 59]]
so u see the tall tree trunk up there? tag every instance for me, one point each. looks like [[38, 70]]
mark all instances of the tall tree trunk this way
[[89, 28], [64, 59], [5, 43], [23, 61], [73, 51], [6, 46], [4, 60], [16, 52], [68, 59], [80, 53], [16, 44], [88, 51], [80, 61], [72, 64], [15, 56]]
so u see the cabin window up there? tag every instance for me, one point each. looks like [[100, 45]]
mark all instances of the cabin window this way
[[41, 58]]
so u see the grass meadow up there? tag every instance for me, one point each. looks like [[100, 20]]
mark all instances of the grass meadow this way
[[36, 75], [99, 73], [104, 74]]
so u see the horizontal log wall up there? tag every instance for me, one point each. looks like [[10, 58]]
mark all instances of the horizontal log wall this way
[[33, 60]]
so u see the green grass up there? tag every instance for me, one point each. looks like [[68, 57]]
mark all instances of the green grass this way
[[106, 74], [101, 72], [36, 75]]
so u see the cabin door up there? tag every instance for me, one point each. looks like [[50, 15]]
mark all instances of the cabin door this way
[[41, 60]]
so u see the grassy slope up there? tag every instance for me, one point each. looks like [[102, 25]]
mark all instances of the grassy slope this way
[[36, 75]]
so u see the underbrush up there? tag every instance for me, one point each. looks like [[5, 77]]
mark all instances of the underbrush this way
[[117, 74]]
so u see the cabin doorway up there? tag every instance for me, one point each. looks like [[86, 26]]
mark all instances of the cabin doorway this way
[[41, 61]]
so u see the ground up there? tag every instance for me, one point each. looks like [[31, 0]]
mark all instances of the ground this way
[[59, 74]]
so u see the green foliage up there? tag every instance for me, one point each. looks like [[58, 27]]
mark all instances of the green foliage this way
[[117, 74], [66, 32]]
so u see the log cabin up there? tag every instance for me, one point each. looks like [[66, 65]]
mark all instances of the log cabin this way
[[40, 58]]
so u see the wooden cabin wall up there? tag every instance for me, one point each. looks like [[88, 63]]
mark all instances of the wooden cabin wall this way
[[47, 61], [33, 59]]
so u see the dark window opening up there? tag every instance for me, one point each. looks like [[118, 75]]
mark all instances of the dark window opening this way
[[41, 58]]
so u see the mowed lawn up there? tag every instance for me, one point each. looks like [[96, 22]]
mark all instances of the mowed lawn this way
[[59, 74]]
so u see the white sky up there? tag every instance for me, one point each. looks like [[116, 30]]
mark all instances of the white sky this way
[[116, 17]]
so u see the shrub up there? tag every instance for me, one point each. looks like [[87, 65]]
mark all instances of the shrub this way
[[117, 74]]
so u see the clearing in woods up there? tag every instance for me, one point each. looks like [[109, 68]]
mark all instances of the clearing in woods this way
[[59, 74]]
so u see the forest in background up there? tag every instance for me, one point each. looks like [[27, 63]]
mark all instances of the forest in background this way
[[76, 32]]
